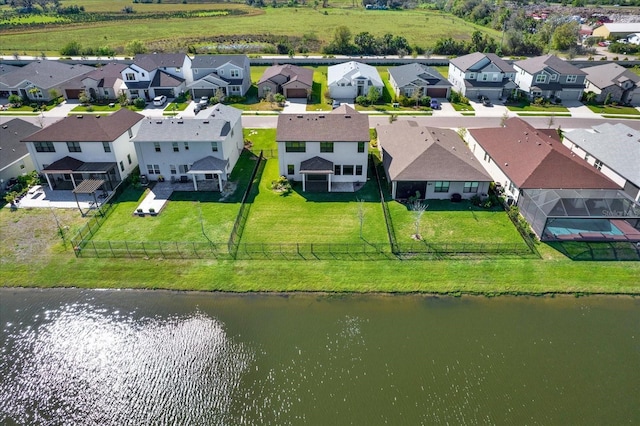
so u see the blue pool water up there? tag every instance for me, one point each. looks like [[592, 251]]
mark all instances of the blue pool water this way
[[576, 226]]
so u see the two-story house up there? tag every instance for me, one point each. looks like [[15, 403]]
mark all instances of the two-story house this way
[[86, 147], [612, 79], [411, 78], [482, 75], [326, 151], [352, 79], [14, 156], [231, 73], [549, 76], [191, 149], [156, 74]]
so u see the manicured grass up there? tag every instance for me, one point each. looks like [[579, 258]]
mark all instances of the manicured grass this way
[[318, 101], [609, 109], [447, 222], [542, 114], [261, 139], [96, 108], [305, 217], [461, 107], [528, 107]]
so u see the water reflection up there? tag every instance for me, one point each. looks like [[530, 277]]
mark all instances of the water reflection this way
[[84, 365]]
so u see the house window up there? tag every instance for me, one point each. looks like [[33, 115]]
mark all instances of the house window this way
[[172, 169], [235, 73], [408, 92], [130, 133], [106, 146], [441, 186], [598, 164], [290, 169], [221, 72], [130, 76], [121, 166], [153, 169], [214, 146], [183, 168], [235, 89], [178, 69], [295, 147], [337, 170], [553, 77], [358, 170], [175, 146], [186, 146], [470, 187], [195, 71], [485, 77], [326, 146], [511, 187], [472, 76], [347, 170], [156, 146], [361, 146], [74, 147], [129, 158], [541, 78], [134, 93], [572, 78]]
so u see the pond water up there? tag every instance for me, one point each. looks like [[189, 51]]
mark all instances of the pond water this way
[[163, 358]]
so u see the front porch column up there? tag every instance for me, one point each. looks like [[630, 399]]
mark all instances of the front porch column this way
[[195, 182], [46, 175], [329, 182], [73, 181], [304, 180], [219, 181], [394, 185]]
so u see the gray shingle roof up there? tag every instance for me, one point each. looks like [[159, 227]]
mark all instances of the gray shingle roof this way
[[467, 62], [215, 127], [10, 135], [607, 75], [208, 164], [406, 74], [152, 61], [417, 153], [87, 128], [539, 63], [108, 74], [343, 124], [616, 145], [216, 61], [44, 74]]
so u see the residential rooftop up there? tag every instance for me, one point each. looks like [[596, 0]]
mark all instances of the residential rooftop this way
[[343, 124]]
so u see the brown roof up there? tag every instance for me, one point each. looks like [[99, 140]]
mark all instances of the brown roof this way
[[292, 72], [416, 153], [534, 158], [87, 128], [343, 124]]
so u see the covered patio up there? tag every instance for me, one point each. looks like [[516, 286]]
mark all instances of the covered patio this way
[[211, 169], [89, 186], [68, 172], [316, 174]]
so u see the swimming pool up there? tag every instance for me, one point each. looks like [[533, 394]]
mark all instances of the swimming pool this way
[[576, 226]]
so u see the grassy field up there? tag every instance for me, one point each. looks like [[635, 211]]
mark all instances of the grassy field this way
[[419, 27], [304, 217]]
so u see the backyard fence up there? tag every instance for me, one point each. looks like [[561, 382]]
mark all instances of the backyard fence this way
[[391, 234], [265, 153]]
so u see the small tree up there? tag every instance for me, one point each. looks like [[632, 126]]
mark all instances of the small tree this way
[[15, 100], [139, 103], [84, 98], [607, 99], [373, 95], [279, 98], [54, 94], [220, 94], [504, 118], [135, 47], [418, 208]]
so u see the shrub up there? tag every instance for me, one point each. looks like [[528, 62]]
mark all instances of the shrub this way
[[362, 100], [234, 99], [139, 103], [281, 185]]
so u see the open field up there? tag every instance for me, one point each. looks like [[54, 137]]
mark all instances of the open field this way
[[419, 27]]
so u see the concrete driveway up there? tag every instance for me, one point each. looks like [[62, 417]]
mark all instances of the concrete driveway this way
[[295, 106]]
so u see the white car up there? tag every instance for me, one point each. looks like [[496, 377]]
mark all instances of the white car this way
[[159, 100]]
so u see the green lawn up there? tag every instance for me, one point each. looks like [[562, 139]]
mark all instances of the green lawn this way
[[97, 108], [304, 217], [529, 107], [261, 139], [447, 222], [461, 107], [609, 109]]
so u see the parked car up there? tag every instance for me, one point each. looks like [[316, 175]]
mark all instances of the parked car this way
[[159, 100], [204, 101], [335, 104], [435, 104], [486, 102]]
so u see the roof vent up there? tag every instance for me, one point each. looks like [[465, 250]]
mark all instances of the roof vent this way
[[4, 126], [347, 116], [79, 116], [298, 116], [159, 122], [206, 122], [506, 164], [321, 116], [630, 135], [180, 122]]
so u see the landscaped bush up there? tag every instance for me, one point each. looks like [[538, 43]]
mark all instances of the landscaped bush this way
[[234, 99], [281, 185], [139, 103]]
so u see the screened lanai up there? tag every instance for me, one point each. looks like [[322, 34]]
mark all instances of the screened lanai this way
[[578, 212]]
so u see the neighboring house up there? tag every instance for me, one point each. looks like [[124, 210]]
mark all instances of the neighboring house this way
[[290, 80], [616, 30], [558, 193], [35, 80], [156, 74], [196, 149], [327, 151], [614, 149], [612, 79], [549, 76], [14, 156], [407, 79], [83, 147], [5, 69], [104, 82], [634, 38], [429, 163], [231, 73], [352, 79], [482, 74]]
